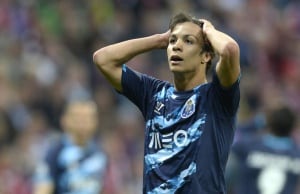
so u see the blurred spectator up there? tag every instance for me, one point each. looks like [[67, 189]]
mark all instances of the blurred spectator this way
[[7, 132]]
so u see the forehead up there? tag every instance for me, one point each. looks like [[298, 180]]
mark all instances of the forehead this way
[[186, 28]]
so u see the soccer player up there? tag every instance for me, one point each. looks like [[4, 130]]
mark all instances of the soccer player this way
[[190, 122], [74, 164], [267, 163]]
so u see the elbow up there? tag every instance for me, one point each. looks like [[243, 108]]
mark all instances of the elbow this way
[[95, 56], [98, 58], [106, 58], [231, 49]]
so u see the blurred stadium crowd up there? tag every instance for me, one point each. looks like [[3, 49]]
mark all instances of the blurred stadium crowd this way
[[46, 60]]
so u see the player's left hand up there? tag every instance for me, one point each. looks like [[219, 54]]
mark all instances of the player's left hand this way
[[207, 26]]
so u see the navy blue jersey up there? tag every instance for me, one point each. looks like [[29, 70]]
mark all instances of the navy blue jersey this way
[[267, 165], [188, 134], [73, 169]]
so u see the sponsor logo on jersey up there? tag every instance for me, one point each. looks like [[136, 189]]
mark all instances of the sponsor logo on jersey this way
[[169, 140]]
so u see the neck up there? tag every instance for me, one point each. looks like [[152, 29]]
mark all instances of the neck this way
[[185, 82]]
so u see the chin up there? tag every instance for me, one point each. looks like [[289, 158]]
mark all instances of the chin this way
[[176, 69]]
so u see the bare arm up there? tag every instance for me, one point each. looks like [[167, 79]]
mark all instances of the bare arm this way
[[228, 66], [43, 188], [110, 59]]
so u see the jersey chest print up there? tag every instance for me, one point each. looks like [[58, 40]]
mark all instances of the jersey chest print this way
[[168, 134]]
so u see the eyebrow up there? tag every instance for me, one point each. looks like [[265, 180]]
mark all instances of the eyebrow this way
[[185, 35]]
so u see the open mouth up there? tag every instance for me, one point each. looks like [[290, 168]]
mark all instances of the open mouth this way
[[176, 58]]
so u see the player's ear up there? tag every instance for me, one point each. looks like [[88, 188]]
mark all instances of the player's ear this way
[[205, 57]]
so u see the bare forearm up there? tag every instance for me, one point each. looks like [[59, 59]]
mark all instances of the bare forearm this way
[[223, 44], [119, 53], [43, 189], [228, 67], [110, 59]]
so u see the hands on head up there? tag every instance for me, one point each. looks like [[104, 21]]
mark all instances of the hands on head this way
[[165, 39], [206, 26]]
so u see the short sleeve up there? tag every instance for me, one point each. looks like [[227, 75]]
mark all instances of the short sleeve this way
[[225, 100], [139, 88]]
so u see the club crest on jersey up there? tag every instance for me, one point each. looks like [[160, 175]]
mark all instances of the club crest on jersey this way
[[188, 109]]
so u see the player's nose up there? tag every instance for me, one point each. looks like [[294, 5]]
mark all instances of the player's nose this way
[[177, 46]]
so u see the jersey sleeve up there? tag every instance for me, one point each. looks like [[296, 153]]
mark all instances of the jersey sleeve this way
[[225, 100], [139, 88]]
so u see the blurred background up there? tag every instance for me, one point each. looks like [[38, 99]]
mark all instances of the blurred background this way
[[46, 52]]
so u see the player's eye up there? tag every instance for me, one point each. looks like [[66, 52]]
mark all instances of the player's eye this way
[[188, 41], [172, 40]]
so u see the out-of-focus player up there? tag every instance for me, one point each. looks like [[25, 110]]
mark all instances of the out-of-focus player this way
[[267, 163], [75, 164]]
